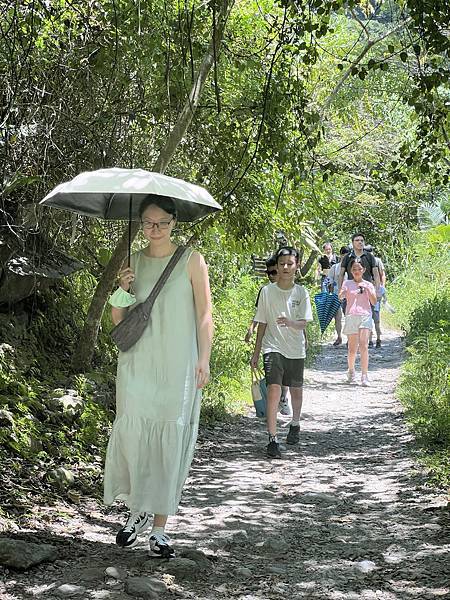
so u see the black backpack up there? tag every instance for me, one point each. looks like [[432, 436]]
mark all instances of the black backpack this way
[[368, 263]]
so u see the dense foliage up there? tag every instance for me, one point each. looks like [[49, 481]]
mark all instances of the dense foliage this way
[[421, 296]]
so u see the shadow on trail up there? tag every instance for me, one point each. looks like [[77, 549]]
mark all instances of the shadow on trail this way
[[365, 510], [340, 517], [351, 499]]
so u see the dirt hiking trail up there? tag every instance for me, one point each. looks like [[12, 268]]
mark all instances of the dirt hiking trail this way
[[345, 515]]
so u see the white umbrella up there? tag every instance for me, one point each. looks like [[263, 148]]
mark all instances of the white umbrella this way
[[117, 194]]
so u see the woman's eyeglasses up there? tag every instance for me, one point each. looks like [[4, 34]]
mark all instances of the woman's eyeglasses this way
[[160, 226], [272, 272]]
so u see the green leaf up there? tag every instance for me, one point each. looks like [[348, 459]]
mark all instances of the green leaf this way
[[19, 180], [103, 256]]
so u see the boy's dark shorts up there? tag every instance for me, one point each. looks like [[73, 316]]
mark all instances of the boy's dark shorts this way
[[280, 370]]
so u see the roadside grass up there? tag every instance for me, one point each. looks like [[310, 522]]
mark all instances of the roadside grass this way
[[421, 297]]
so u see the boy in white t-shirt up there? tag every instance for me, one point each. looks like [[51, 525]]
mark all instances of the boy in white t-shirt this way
[[284, 308]]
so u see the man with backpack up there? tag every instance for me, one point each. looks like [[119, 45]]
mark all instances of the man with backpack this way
[[367, 259]]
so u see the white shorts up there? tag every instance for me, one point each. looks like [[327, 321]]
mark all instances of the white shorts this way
[[353, 323]]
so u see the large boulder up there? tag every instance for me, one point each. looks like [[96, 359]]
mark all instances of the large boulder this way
[[19, 554], [29, 266]]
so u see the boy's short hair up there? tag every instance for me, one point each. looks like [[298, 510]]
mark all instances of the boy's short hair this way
[[271, 262], [355, 235], [288, 251], [344, 250]]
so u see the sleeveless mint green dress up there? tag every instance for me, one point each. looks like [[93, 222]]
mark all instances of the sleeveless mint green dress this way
[[158, 404]]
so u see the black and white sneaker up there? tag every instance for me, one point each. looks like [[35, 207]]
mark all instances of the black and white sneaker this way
[[136, 524], [159, 546]]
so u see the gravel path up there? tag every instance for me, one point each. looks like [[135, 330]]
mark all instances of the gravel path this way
[[345, 515]]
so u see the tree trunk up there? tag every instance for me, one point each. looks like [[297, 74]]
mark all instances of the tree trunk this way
[[85, 349], [309, 263]]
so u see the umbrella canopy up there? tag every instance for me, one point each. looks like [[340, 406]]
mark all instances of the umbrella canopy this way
[[327, 306], [117, 194]]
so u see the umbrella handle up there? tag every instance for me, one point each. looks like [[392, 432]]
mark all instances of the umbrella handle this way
[[130, 212], [131, 118]]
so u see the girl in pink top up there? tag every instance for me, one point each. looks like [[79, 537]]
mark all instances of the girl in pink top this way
[[360, 295]]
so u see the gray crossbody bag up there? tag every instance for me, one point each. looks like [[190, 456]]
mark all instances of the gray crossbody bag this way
[[131, 328]]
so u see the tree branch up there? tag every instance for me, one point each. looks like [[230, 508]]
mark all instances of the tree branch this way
[[369, 44], [85, 348]]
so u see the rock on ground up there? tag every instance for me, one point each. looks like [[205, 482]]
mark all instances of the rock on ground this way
[[19, 554]]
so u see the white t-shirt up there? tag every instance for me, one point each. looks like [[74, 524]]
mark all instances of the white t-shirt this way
[[294, 304]]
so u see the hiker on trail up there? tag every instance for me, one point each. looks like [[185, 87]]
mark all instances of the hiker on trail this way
[[159, 381], [367, 260], [376, 309], [283, 311], [326, 261], [333, 279], [272, 274], [360, 296]]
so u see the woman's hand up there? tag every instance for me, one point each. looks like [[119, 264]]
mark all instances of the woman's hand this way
[[125, 278], [202, 373]]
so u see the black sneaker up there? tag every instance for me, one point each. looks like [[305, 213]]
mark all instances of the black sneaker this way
[[370, 344], [136, 524], [273, 450], [293, 437], [159, 546], [378, 344]]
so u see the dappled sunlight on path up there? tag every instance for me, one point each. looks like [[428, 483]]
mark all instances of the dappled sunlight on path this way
[[345, 515]]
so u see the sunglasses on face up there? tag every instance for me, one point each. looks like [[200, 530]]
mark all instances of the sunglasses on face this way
[[272, 273]]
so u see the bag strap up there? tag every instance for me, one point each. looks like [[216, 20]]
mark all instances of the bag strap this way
[[147, 305]]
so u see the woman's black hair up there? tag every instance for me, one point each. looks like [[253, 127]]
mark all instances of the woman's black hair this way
[[163, 202], [271, 262], [288, 251], [344, 250]]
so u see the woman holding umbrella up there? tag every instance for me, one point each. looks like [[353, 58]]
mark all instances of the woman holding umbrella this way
[[159, 381]]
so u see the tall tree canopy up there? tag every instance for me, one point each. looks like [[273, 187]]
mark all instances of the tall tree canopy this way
[[313, 115]]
